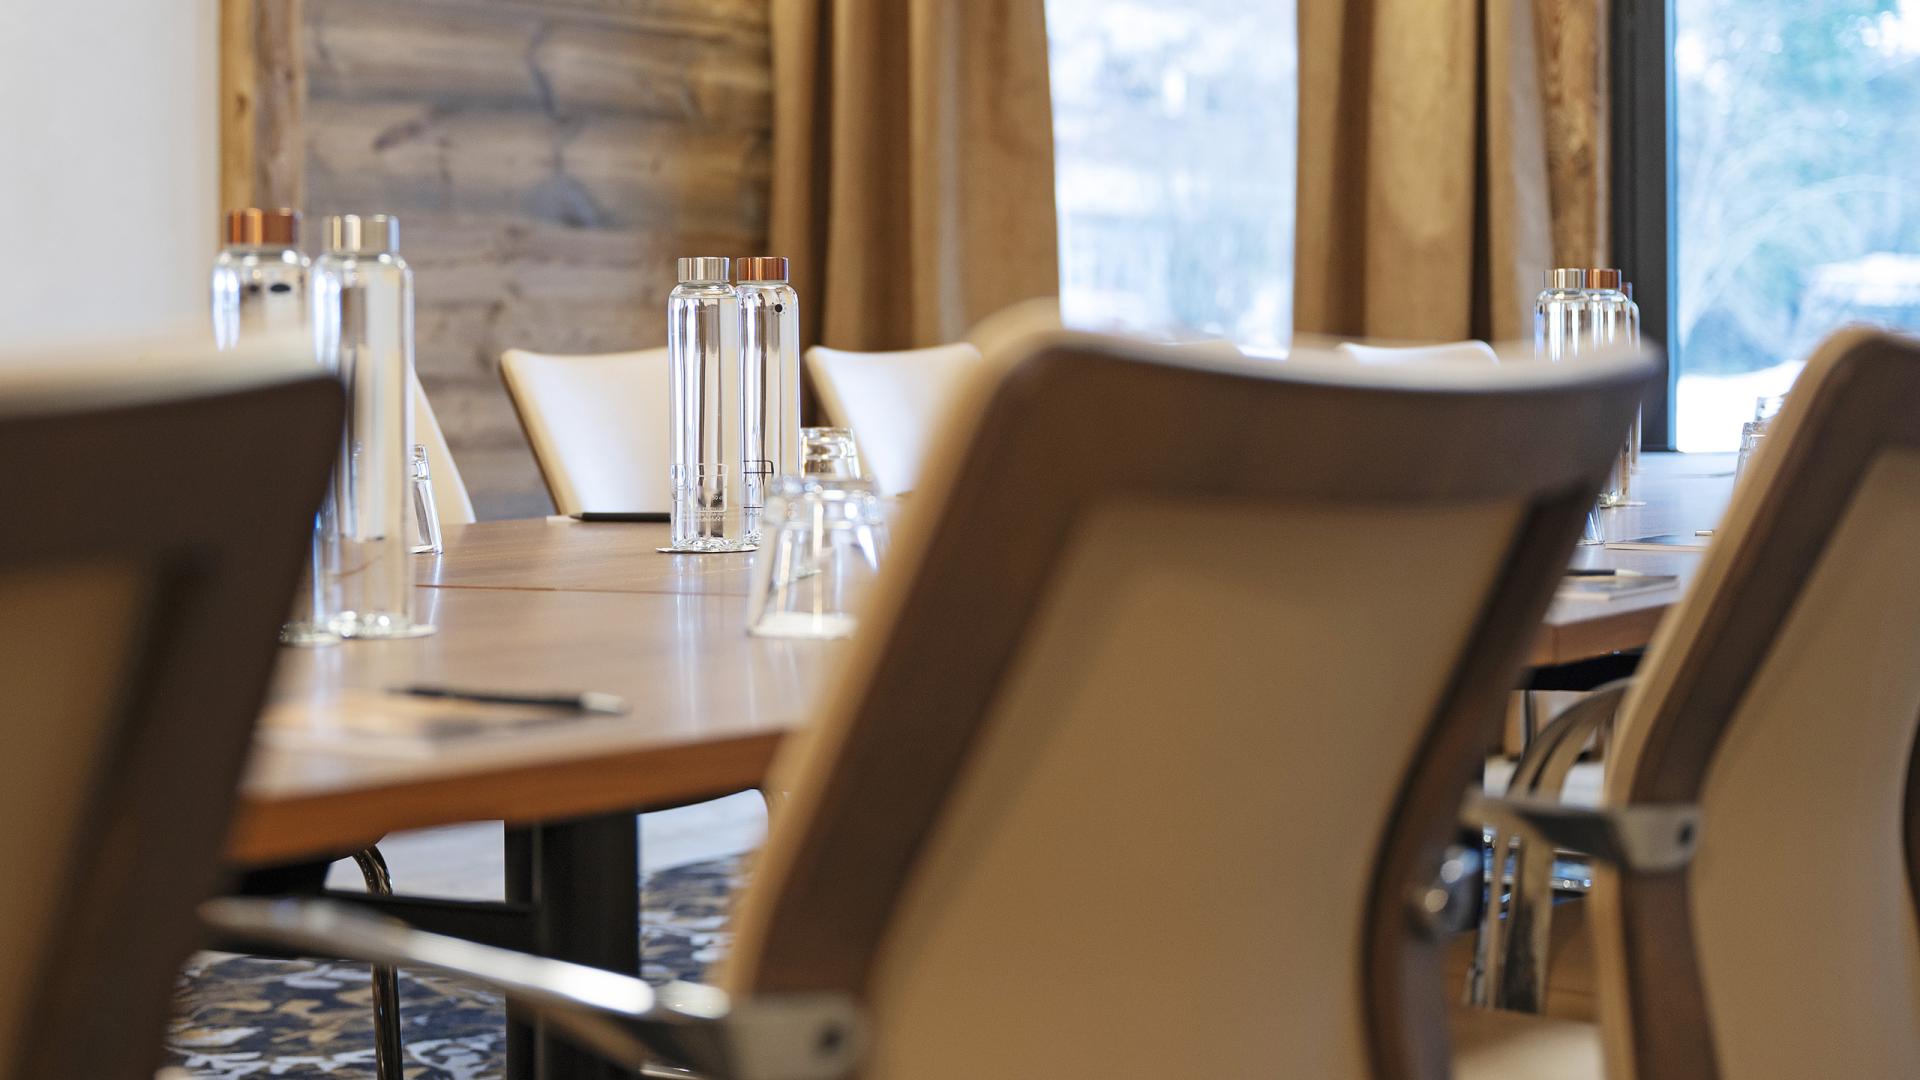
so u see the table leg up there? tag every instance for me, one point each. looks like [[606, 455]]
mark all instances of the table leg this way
[[586, 881], [520, 1027]]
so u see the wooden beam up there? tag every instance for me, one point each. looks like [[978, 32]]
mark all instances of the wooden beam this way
[[236, 103], [1574, 85], [263, 95]]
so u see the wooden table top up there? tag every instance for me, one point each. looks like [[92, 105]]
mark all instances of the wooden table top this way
[[1682, 493], [552, 604]]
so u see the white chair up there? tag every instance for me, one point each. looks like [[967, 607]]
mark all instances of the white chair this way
[[892, 401], [598, 427], [449, 490], [1454, 352]]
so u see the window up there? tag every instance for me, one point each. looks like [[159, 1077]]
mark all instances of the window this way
[[1174, 162], [1795, 194]]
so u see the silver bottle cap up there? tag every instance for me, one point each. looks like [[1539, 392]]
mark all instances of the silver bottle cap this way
[[703, 268], [1566, 279], [352, 234]]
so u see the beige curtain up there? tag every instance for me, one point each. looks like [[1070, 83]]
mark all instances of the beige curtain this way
[[1427, 202], [912, 165]]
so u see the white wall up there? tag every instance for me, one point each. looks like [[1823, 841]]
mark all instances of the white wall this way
[[109, 151]]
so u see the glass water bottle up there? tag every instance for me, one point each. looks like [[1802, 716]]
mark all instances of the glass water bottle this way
[[1614, 322], [708, 410], [770, 369], [259, 278], [1562, 317], [259, 289], [363, 330]]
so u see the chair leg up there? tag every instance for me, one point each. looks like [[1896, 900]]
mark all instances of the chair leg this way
[[387, 1061]]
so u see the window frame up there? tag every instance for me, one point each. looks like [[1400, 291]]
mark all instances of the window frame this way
[[1643, 134]]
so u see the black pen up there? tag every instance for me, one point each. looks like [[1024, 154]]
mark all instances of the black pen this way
[[1577, 571], [592, 701]]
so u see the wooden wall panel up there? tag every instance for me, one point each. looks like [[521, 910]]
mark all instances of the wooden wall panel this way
[[1572, 36], [548, 161]]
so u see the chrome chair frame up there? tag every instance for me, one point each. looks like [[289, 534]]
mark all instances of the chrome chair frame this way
[[1510, 956], [699, 1030], [389, 1062]]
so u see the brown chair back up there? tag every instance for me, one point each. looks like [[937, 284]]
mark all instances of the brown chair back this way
[[150, 538], [1782, 696], [1165, 706]]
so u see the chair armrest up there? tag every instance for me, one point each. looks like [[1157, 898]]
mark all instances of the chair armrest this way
[[785, 1037], [1641, 839]]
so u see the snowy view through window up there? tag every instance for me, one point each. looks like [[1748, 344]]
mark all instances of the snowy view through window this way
[[1174, 148], [1798, 201]]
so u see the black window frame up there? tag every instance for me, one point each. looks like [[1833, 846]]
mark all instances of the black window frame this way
[[1642, 184]]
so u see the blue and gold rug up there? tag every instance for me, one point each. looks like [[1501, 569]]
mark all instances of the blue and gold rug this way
[[248, 1017]]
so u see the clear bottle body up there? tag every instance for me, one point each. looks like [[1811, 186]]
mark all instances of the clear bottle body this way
[[1614, 322], [1562, 324], [1615, 319], [258, 291], [708, 415], [770, 374], [363, 331]]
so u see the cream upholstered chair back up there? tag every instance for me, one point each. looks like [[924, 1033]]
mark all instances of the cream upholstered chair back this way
[[1146, 739], [1782, 696], [450, 495], [598, 427], [143, 577], [892, 401]]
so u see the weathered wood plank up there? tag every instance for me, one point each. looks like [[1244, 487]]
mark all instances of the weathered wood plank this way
[[708, 17], [557, 63], [600, 172]]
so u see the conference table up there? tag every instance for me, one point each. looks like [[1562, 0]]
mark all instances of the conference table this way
[[561, 605]]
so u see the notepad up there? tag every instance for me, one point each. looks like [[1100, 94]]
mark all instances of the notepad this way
[[1662, 542], [1614, 588], [389, 725]]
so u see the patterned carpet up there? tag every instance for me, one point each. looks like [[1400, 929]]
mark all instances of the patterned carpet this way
[[246, 1017]]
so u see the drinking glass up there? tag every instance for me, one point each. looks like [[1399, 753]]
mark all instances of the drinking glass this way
[[426, 513], [825, 540], [1752, 433], [317, 599], [1593, 533], [829, 453]]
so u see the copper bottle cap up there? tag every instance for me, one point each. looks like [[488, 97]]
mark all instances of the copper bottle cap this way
[[1603, 279], [760, 268], [254, 227]]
